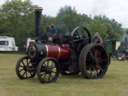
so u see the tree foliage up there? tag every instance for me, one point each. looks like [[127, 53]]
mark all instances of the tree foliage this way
[[17, 20]]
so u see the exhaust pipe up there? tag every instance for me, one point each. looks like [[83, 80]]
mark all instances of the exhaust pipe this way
[[38, 14]]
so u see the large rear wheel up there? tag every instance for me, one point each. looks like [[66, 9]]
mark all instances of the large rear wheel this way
[[93, 61]]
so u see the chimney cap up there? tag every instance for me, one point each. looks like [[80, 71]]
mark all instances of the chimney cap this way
[[37, 8]]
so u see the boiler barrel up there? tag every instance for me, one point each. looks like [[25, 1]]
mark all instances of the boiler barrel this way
[[58, 52]]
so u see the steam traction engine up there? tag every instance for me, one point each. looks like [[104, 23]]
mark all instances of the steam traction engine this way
[[71, 54]]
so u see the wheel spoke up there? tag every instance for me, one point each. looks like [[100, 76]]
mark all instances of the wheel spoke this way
[[89, 72], [53, 71], [43, 74], [21, 67], [23, 63], [29, 62], [47, 64], [43, 67], [46, 77], [92, 55], [24, 73], [21, 70], [49, 76]]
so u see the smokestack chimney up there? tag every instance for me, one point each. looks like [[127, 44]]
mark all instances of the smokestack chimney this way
[[38, 14]]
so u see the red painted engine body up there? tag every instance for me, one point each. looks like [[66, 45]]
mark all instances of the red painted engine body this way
[[58, 52]]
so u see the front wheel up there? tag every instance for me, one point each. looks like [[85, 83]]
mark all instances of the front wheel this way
[[25, 68], [48, 70]]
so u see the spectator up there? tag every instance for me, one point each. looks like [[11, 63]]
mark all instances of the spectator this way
[[125, 40], [110, 44]]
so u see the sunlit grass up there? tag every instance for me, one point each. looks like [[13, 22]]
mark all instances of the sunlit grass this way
[[115, 82]]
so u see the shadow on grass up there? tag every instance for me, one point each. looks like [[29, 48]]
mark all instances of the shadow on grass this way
[[61, 79], [65, 79], [70, 80]]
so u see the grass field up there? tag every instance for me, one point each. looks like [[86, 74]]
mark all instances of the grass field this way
[[115, 82]]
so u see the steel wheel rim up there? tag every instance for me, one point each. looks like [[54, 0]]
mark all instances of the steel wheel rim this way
[[25, 68], [48, 71], [96, 62]]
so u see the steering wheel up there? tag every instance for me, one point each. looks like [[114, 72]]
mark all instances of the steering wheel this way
[[81, 32]]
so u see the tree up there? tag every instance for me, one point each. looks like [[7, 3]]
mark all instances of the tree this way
[[68, 18], [17, 20], [102, 24]]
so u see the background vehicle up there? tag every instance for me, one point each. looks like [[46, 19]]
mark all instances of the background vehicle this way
[[7, 44], [122, 52]]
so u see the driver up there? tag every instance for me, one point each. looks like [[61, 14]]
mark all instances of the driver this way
[[52, 32], [53, 35]]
